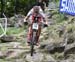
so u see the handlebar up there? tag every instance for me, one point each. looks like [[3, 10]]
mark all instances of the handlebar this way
[[44, 25]]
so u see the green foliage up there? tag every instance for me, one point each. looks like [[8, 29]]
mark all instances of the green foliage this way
[[23, 6], [57, 0], [61, 17], [14, 30]]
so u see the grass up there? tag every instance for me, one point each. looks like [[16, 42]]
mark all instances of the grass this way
[[1, 31], [13, 30]]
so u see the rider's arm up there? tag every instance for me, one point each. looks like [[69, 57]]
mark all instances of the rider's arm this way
[[30, 12], [26, 18], [45, 20], [43, 15], [28, 15], [41, 12]]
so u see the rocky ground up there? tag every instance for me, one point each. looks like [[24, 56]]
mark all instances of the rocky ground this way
[[57, 41]]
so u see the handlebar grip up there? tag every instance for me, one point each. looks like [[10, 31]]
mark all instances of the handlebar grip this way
[[45, 25], [25, 23]]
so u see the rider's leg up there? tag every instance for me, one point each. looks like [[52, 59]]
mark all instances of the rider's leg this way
[[29, 34], [38, 35]]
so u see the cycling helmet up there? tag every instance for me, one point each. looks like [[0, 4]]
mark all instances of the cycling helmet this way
[[36, 9]]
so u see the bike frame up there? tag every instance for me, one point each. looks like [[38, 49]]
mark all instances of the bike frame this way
[[34, 36]]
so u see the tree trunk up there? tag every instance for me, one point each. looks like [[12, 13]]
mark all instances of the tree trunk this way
[[2, 8]]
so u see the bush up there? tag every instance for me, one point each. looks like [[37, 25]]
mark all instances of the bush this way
[[23, 6]]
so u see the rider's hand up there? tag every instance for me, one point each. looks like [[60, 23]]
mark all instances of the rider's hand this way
[[46, 24], [25, 22]]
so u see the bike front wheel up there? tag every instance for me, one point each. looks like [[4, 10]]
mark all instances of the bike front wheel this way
[[33, 43]]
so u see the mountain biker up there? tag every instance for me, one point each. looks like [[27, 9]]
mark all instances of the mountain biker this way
[[37, 11]]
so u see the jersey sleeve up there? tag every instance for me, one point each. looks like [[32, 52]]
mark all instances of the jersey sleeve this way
[[41, 12], [30, 12]]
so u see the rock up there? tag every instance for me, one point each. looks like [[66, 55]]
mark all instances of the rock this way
[[7, 39], [19, 20], [50, 22], [9, 52], [45, 43], [52, 5], [16, 21], [2, 55], [41, 37], [51, 47], [15, 44], [19, 23], [71, 20], [19, 60], [70, 38], [2, 22], [11, 22], [70, 48], [38, 57], [48, 14], [14, 53], [49, 58], [67, 60], [54, 48], [44, 30], [44, 34], [61, 30]]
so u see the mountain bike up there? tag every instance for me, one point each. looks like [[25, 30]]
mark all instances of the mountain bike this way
[[35, 27]]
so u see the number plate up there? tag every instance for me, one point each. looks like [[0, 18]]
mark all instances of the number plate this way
[[35, 26]]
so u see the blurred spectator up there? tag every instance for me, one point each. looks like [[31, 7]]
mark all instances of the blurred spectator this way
[[46, 1], [39, 3]]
